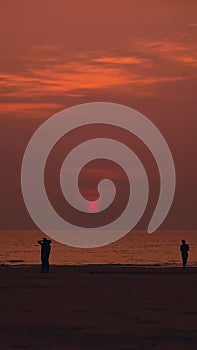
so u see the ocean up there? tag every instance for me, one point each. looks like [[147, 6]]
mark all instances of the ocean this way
[[136, 248]]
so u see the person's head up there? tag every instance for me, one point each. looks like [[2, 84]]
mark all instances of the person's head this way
[[183, 241]]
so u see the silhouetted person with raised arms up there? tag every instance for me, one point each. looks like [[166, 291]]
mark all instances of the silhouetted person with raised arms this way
[[184, 248], [45, 252]]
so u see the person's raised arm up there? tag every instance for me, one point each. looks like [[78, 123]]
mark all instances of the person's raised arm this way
[[48, 241]]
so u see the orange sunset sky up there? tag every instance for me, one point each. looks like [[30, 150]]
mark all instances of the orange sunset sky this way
[[59, 53]]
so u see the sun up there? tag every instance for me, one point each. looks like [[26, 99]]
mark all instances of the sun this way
[[93, 207]]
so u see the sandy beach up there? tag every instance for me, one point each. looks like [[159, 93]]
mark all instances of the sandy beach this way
[[98, 307]]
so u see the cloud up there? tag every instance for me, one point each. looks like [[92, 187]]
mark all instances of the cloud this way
[[121, 60], [164, 46], [192, 25], [187, 59], [16, 108], [49, 74]]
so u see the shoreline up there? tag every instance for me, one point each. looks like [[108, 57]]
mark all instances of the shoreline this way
[[106, 268]]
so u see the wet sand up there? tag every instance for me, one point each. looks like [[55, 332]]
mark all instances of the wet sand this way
[[98, 307]]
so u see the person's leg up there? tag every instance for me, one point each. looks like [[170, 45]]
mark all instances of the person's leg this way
[[47, 265], [42, 266], [184, 258]]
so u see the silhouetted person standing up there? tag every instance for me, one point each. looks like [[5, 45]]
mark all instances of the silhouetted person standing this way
[[184, 248], [45, 252]]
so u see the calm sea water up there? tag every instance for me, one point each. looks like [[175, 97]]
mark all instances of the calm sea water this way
[[138, 248]]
